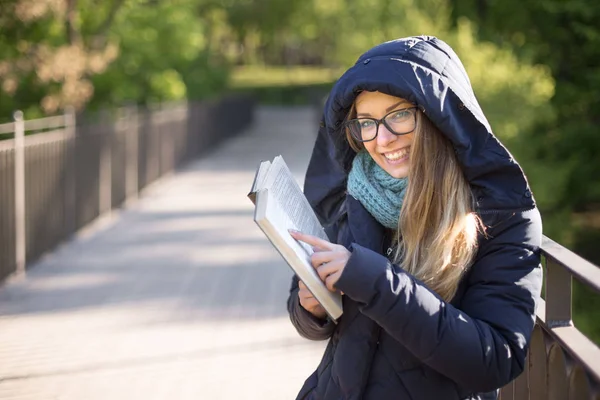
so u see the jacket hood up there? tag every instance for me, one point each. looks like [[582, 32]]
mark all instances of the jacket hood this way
[[427, 72]]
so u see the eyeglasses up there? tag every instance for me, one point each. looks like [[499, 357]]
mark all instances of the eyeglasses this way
[[399, 122]]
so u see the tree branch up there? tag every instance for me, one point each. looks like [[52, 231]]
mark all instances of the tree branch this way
[[101, 34], [73, 34]]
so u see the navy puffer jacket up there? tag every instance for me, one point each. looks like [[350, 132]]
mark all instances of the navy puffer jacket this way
[[397, 339]]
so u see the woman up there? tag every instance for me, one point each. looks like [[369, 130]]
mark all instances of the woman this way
[[434, 235]]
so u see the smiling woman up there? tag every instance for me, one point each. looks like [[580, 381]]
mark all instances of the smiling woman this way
[[434, 236]]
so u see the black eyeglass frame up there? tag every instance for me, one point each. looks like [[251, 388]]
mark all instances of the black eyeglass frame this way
[[381, 121]]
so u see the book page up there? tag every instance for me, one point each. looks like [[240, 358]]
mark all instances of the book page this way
[[281, 221], [261, 174], [287, 193], [259, 179], [275, 223]]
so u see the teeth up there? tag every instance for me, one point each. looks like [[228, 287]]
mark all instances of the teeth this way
[[397, 155]]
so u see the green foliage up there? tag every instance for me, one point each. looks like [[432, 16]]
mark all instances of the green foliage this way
[[565, 37], [55, 53], [299, 85], [255, 76], [513, 93], [48, 51], [159, 60]]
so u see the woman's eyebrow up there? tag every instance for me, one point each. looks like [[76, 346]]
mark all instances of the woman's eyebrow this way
[[396, 105], [387, 109]]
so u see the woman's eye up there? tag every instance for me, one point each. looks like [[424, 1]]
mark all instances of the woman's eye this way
[[367, 124], [400, 115]]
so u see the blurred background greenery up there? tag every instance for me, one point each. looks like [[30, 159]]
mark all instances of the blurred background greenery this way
[[534, 66]]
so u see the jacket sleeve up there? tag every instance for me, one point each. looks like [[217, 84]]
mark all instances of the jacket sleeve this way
[[306, 324], [481, 345]]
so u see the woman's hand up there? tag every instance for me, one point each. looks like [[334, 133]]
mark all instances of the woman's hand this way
[[309, 303], [328, 259]]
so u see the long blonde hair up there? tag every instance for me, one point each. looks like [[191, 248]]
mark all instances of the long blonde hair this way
[[437, 230]]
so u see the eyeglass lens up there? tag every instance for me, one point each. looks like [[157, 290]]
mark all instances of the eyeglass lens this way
[[399, 122]]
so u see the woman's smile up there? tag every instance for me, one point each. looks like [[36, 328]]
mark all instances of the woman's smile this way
[[399, 156]]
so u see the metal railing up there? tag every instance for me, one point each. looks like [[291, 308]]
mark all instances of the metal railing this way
[[562, 364], [54, 183]]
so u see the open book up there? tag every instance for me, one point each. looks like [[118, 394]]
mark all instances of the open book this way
[[281, 205]]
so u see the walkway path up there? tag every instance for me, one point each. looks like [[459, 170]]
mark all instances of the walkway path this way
[[179, 296]]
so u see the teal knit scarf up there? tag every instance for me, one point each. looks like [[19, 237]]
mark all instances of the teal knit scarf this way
[[380, 193]]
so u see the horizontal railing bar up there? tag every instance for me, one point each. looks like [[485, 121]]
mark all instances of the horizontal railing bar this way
[[57, 134], [46, 137], [7, 128], [579, 267], [576, 344], [58, 121], [37, 139]]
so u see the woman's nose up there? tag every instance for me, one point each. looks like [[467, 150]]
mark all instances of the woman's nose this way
[[384, 136]]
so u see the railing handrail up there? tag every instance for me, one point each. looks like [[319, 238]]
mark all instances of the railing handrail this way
[[163, 112], [56, 126], [37, 139], [580, 268], [57, 121], [9, 127]]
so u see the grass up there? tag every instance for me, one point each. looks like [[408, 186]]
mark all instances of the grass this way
[[253, 76], [291, 85]]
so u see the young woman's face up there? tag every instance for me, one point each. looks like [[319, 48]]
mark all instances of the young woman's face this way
[[391, 152]]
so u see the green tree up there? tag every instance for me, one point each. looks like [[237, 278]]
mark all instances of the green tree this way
[[564, 36], [50, 49]]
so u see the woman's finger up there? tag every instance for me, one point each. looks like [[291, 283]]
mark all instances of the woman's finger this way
[[332, 279], [321, 257], [303, 290], [327, 269], [311, 240]]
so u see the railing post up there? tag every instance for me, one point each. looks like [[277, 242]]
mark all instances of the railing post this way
[[70, 197], [132, 153], [153, 164], [105, 178], [20, 236], [538, 368], [521, 388], [508, 392], [558, 295]]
